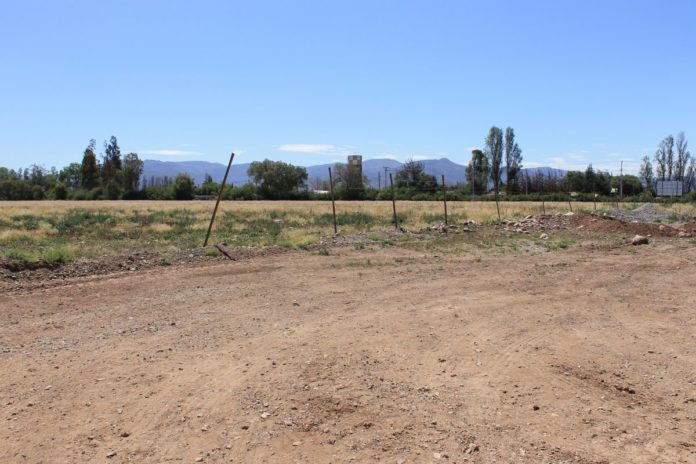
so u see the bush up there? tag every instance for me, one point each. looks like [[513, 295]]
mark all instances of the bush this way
[[78, 194], [60, 192], [58, 256], [96, 193], [691, 196], [37, 193], [245, 192], [21, 256], [184, 187], [113, 190]]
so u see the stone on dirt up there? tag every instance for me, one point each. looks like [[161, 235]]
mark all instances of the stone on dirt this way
[[639, 240]]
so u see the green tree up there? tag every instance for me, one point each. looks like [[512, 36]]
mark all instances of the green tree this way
[[60, 192], [183, 187], [276, 179], [477, 171], [575, 181], [90, 169], [494, 152], [132, 170], [513, 161], [38, 175], [112, 166], [38, 192], [349, 181], [681, 163], [590, 179], [209, 186], [646, 172], [412, 176], [71, 175], [664, 156], [690, 176], [631, 184]]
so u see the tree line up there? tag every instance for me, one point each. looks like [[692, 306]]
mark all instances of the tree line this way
[[112, 177], [494, 170], [672, 162]]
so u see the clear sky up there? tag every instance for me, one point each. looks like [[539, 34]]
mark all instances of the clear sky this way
[[310, 81]]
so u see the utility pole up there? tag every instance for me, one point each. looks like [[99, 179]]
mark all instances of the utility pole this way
[[621, 183], [385, 176], [473, 177], [444, 199], [379, 180]]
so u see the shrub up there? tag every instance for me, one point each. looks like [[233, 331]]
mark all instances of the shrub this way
[[21, 256], [183, 187], [58, 256], [78, 194], [38, 193], [60, 192], [29, 221]]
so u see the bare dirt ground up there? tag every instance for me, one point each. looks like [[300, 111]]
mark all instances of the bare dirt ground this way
[[580, 355]]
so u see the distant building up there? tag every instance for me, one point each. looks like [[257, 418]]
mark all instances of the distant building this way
[[355, 162], [670, 188]]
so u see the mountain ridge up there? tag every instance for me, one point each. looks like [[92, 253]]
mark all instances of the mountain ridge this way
[[373, 169]]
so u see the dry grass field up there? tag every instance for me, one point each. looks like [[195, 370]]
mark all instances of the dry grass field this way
[[64, 230], [490, 344]]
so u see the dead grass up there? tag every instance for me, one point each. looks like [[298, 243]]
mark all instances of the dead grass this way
[[107, 227]]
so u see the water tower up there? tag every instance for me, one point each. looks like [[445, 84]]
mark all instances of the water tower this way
[[355, 162]]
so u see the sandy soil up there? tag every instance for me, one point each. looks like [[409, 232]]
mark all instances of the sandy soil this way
[[580, 355]]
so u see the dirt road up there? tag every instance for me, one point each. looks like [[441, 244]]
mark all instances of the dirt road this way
[[578, 355]]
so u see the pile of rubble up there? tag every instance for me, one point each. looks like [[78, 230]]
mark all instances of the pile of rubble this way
[[442, 228], [530, 224], [647, 213]]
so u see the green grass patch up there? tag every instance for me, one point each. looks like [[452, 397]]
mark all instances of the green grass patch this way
[[212, 252], [60, 255], [76, 222], [558, 244], [20, 255], [26, 221]]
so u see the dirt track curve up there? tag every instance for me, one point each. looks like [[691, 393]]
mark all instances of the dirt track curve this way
[[578, 356]]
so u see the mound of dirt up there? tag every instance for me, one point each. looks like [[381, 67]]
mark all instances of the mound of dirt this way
[[14, 265], [598, 225], [21, 273], [611, 225]]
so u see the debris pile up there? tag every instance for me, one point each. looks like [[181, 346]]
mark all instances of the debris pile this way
[[442, 228], [531, 224], [647, 213]]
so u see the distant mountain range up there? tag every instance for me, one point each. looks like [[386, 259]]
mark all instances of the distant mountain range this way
[[373, 169]]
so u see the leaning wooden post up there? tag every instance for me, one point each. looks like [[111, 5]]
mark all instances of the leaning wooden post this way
[[217, 203], [333, 202], [444, 198], [396, 219]]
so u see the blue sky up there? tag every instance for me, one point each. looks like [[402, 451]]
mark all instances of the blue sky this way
[[311, 81]]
